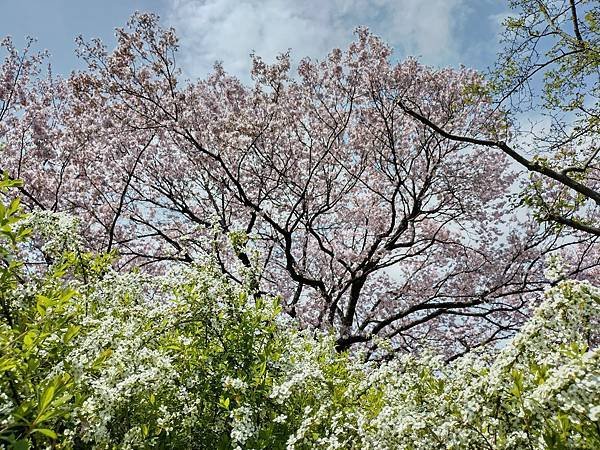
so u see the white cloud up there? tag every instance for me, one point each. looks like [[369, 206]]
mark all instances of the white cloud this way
[[228, 30]]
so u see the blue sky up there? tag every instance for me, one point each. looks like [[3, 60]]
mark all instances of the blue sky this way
[[439, 32]]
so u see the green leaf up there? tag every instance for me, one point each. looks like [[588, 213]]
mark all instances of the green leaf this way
[[101, 358], [14, 206], [40, 309], [46, 398], [71, 332], [46, 432], [7, 364], [29, 339], [224, 402], [67, 295]]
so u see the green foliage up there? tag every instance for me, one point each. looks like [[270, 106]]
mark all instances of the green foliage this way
[[92, 358], [34, 332], [549, 66]]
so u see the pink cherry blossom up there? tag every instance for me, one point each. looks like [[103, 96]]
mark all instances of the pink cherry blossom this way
[[365, 220]]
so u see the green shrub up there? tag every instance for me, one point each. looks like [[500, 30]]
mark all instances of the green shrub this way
[[94, 358]]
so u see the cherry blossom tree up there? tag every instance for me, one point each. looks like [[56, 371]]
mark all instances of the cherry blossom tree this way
[[546, 84], [365, 218]]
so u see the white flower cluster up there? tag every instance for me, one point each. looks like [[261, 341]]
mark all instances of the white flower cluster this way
[[541, 390], [555, 269], [242, 427], [190, 359], [234, 384], [6, 405], [59, 231]]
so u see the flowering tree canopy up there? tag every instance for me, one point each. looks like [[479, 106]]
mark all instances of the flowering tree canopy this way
[[364, 218]]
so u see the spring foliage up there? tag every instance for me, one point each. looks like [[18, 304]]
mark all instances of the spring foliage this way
[[93, 358]]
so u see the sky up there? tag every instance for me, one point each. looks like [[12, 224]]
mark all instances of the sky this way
[[438, 32]]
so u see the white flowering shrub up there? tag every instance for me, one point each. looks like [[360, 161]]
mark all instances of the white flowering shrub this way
[[92, 358], [542, 390]]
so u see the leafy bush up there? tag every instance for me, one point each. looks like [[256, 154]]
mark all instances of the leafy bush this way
[[92, 358]]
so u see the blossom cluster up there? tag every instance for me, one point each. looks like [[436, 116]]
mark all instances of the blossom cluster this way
[[191, 359]]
